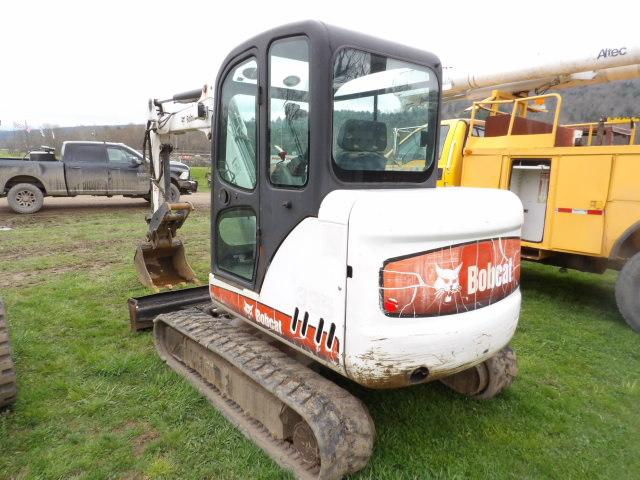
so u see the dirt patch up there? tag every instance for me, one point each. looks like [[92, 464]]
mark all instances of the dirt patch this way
[[46, 249], [133, 475], [141, 441], [38, 277]]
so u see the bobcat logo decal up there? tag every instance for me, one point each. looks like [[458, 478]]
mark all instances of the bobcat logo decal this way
[[452, 279], [448, 282]]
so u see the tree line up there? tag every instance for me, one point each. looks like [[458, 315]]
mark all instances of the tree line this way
[[579, 105]]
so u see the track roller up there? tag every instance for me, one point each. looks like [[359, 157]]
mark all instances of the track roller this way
[[488, 379]]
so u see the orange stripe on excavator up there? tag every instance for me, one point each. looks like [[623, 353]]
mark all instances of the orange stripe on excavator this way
[[297, 331]]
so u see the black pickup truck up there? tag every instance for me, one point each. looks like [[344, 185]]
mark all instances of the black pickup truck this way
[[87, 168]]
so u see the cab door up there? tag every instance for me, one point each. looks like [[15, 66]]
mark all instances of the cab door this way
[[235, 205], [581, 189]]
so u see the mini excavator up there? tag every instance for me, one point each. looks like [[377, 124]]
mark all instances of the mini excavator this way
[[328, 254]]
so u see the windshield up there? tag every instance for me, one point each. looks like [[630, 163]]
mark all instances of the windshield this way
[[384, 117]]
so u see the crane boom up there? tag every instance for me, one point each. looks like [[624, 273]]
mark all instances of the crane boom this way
[[606, 65]]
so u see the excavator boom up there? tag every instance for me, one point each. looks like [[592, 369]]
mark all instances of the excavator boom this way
[[161, 261]]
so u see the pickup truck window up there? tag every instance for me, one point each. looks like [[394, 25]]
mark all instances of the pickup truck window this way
[[117, 155], [86, 154]]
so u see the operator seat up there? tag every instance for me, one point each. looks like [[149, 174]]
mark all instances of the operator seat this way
[[362, 143]]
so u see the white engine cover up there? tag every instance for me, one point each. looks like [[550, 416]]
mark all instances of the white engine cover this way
[[385, 282]]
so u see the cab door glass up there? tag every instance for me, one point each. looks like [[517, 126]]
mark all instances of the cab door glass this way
[[289, 112], [236, 242], [236, 161]]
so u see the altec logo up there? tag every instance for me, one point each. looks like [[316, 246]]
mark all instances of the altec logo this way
[[611, 52], [454, 279]]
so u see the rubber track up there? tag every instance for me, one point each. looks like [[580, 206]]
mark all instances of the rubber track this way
[[341, 423], [7, 370]]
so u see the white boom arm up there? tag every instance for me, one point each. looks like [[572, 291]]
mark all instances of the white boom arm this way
[[186, 112], [608, 64]]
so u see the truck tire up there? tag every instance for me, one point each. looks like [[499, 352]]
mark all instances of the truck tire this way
[[25, 198], [628, 292], [174, 194], [7, 371]]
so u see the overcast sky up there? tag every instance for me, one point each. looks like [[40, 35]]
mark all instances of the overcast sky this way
[[89, 62]]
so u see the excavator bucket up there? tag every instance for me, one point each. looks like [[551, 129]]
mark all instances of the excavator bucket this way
[[161, 261]]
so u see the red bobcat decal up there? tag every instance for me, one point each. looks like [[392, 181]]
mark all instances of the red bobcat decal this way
[[318, 338], [453, 279]]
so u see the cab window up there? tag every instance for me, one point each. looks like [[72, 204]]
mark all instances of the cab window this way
[[236, 161], [289, 112], [384, 117], [236, 242]]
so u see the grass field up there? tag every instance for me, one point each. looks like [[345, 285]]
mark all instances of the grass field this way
[[199, 174], [95, 401]]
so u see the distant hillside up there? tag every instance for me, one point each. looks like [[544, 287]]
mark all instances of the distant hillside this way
[[579, 105], [132, 135], [586, 104]]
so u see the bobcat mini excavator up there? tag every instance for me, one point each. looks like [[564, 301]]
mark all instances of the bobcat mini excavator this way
[[327, 254]]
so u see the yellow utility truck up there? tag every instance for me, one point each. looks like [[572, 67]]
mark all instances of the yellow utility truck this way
[[579, 184]]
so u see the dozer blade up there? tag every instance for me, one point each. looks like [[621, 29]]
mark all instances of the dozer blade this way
[[142, 310], [161, 261], [303, 421]]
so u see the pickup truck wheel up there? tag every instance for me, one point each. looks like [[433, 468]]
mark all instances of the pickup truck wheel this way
[[628, 292], [174, 194], [25, 198]]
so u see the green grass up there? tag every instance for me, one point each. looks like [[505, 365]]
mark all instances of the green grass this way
[[95, 401], [199, 174], [8, 154]]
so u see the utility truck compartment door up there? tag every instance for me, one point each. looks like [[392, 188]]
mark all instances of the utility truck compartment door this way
[[581, 189], [530, 182]]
